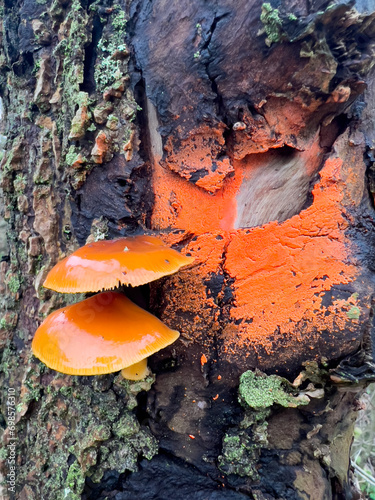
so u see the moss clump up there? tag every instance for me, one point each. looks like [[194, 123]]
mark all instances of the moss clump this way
[[260, 391], [14, 284], [75, 480], [239, 455], [272, 23]]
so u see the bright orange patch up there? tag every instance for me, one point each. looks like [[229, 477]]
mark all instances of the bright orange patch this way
[[278, 272], [285, 268]]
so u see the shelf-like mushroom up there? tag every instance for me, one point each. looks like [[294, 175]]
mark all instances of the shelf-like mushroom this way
[[102, 334], [105, 264]]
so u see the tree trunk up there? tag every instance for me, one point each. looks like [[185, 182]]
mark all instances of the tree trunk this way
[[242, 134]]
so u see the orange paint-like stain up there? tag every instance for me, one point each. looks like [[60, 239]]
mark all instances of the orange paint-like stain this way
[[200, 152], [278, 272], [285, 268]]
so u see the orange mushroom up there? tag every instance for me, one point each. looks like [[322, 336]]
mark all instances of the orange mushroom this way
[[99, 335], [104, 264]]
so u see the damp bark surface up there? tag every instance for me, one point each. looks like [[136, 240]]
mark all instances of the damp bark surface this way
[[242, 135]]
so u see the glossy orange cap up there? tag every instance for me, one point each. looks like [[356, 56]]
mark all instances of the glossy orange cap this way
[[104, 264], [102, 334]]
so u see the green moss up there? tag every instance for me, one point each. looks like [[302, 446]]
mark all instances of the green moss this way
[[260, 391], [87, 417], [14, 284], [75, 480], [239, 455], [19, 183], [272, 23], [126, 426]]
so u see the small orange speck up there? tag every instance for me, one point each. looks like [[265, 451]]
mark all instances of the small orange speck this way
[[193, 401], [203, 360], [219, 377], [216, 397], [191, 436]]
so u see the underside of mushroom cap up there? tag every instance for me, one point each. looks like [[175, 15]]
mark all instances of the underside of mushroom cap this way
[[104, 265], [99, 335]]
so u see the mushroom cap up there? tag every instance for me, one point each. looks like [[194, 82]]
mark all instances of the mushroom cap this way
[[102, 334], [102, 265]]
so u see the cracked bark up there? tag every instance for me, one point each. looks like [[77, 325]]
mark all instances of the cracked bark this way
[[250, 153]]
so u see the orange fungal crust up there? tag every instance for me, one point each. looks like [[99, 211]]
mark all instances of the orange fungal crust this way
[[279, 272], [304, 256], [99, 335], [200, 152], [104, 264]]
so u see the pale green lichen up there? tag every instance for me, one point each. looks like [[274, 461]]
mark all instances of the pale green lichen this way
[[99, 228], [72, 155], [19, 183], [257, 394], [111, 51], [14, 284], [91, 428], [354, 313], [260, 391], [119, 22], [108, 70], [239, 455]]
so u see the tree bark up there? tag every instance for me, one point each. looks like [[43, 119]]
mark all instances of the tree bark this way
[[240, 133]]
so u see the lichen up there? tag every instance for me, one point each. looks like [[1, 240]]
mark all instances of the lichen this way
[[260, 391], [14, 283], [80, 427], [111, 53], [239, 455], [99, 228], [272, 23], [71, 155]]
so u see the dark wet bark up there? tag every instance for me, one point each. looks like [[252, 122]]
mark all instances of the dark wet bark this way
[[116, 114]]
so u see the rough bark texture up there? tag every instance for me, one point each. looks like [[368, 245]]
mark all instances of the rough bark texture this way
[[242, 134]]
